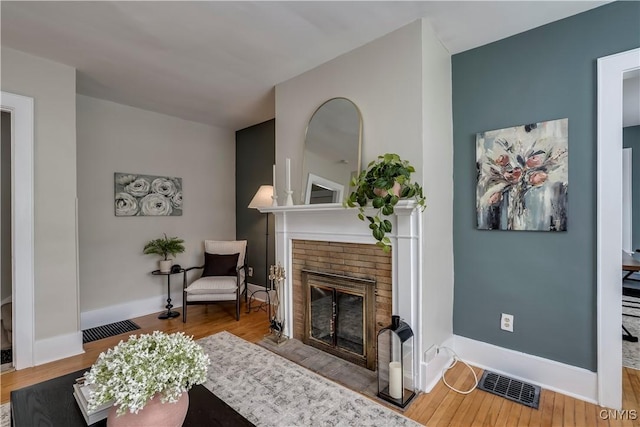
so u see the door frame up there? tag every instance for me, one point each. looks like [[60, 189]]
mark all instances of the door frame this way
[[611, 71], [22, 225]]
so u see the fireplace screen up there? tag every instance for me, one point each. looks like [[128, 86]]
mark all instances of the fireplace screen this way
[[337, 318], [340, 316]]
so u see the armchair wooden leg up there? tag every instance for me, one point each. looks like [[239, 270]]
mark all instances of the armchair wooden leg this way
[[238, 308], [184, 308]]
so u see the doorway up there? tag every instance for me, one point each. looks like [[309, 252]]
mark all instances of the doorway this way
[[611, 71], [6, 275], [22, 221]]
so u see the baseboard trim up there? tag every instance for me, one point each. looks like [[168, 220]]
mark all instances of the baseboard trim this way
[[56, 348], [128, 310], [549, 374]]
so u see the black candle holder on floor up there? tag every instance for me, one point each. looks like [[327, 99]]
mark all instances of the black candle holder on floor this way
[[395, 363]]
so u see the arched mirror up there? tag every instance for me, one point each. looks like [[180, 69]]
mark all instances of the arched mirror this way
[[331, 151]]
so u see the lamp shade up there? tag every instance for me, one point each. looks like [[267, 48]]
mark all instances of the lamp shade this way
[[262, 198]]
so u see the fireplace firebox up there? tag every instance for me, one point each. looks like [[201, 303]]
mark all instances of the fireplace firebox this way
[[340, 316]]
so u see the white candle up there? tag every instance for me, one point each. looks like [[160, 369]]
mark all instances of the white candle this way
[[288, 172], [274, 181], [395, 380]]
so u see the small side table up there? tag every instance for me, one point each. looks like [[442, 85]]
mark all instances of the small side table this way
[[168, 314]]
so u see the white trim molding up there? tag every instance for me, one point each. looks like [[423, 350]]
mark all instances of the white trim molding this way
[[549, 374], [332, 222], [611, 71], [59, 347], [127, 310], [22, 241]]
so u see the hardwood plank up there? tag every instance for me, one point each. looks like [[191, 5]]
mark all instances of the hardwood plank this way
[[505, 411], [494, 411], [557, 418], [452, 400], [514, 415], [580, 413], [546, 405], [483, 410], [471, 405]]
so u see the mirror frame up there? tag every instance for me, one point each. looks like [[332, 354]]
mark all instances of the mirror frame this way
[[323, 182]]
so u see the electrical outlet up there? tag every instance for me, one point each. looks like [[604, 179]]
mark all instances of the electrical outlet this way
[[250, 271], [506, 322], [430, 353]]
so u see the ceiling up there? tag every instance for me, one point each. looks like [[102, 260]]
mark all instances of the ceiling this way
[[217, 62]]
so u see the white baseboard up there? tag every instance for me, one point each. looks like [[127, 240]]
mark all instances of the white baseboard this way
[[549, 374], [253, 289], [127, 310], [56, 348], [433, 370], [137, 308]]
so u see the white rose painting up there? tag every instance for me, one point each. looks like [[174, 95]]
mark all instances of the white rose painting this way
[[147, 195], [523, 177]]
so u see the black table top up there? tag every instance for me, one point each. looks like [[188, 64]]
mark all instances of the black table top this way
[[51, 403]]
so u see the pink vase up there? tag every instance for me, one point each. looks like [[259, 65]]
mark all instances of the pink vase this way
[[154, 413], [383, 193]]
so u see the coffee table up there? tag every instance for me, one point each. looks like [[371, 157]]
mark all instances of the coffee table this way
[[51, 403]]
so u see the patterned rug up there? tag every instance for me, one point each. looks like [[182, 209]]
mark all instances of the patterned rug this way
[[270, 390], [105, 331], [631, 350], [5, 415]]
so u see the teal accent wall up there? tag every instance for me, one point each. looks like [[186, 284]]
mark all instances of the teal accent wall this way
[[255, 156], [631, 139], [547, 280]]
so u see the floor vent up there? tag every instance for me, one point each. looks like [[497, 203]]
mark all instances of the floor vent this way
[[518, 391]]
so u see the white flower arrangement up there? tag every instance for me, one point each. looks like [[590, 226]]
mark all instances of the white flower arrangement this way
[[134, 371]]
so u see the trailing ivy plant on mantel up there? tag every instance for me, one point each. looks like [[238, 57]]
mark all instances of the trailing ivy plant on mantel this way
[[382, 184]]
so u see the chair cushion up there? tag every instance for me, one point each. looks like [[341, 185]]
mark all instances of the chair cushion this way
[[220, 265], [213, 285]]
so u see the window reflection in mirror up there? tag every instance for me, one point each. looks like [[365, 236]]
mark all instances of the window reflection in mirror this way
[[332, 151]]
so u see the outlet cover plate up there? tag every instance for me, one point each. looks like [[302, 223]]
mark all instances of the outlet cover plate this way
[[506, 322]]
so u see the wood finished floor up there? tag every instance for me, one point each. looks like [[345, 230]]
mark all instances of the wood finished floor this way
[[441, 407]]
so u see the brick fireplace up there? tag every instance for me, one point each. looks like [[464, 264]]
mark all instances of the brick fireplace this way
[[331, 239], [347, 262]]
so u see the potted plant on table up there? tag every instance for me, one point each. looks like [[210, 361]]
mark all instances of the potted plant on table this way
[[165, 246], [383, 183], [147, 378]]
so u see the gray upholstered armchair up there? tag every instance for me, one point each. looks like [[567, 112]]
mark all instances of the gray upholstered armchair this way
[[223, 278]]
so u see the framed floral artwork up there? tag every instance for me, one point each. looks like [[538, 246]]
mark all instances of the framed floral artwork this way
[[523, 177], [147, 195]]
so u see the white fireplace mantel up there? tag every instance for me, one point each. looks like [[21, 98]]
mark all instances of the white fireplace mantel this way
[[334, 223]]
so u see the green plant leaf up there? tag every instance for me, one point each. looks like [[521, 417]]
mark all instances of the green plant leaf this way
[[394, 200], [387, 210], [361, 216], [387, 225], [378, 234], [378, 202]]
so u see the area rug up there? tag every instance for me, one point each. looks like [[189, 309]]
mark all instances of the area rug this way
[[5, 415], [105, 331], [631, 350], [270, 390]]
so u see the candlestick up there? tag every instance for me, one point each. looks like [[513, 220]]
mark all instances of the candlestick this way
[[274, 194], [288, 174]]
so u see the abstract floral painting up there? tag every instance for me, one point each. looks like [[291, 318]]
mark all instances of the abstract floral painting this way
[[147, 195], [523, 177]]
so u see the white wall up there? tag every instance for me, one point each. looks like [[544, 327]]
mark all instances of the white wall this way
[[52, 85], [437, 164], [382, 78], [402, 84], [117, 138]]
